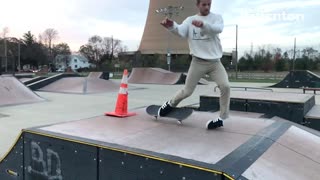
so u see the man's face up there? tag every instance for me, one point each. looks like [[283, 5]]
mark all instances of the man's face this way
[[204, 7]]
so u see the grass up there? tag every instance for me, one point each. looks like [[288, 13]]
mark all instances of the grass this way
[[231, 79], [255, 80]]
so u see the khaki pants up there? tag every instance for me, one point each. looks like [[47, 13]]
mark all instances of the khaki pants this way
[[198, 68]]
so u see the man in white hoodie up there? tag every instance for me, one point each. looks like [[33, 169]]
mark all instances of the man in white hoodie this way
[[202, 31]]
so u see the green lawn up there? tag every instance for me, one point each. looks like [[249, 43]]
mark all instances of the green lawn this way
[[255, 80]]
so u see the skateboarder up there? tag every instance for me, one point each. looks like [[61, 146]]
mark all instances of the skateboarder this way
[[202, 31]]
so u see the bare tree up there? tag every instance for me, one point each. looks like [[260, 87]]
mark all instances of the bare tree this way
[[40, 39], [100, 50], [309, 52], [290, 53], [5, 31], [277, 53], [112, 46], [95, 42], [49, 36], [123, 49]]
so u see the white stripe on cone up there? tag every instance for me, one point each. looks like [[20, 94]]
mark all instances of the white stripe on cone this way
[[121, 109], [123, 90]]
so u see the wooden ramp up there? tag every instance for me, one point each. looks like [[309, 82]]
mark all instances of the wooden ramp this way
[[312, 118], [291, 106], [139, 147]]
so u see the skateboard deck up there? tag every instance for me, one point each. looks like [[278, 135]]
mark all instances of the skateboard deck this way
[[177, 113]]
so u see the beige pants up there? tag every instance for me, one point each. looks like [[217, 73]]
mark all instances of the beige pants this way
[[198, 68]]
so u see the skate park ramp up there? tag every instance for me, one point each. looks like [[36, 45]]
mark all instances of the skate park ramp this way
[[298, 79], [14, 92], [27, 81], [290, 106], [23, 80], [139, 147], [81, 85], [102, 75], [312, 118], [95, 75], [157, 76]]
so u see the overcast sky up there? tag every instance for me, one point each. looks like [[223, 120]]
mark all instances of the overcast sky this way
[[261, 22]]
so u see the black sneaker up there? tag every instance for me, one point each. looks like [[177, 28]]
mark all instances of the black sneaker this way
[[213, 124], [164, 109]]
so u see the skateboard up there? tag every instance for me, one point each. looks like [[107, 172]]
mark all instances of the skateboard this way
[[177, 113]]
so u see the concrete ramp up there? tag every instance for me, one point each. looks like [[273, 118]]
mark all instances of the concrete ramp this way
[[82, 85], [298, 79], [156, 76], [139, 147], [153, 76], [95, 75], [44, 82], [28, 81], [14, 92], [99, 75], [101, 85], [23, 80]]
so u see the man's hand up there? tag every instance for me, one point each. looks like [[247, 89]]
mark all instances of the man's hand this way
[[167, 23], [197, 23]]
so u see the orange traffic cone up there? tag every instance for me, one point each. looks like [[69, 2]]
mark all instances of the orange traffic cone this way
[[121, 109]]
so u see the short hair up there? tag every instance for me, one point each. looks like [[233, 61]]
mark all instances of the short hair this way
[[198, 1]]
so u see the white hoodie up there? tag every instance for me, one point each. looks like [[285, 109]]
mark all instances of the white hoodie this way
[[203, 42]]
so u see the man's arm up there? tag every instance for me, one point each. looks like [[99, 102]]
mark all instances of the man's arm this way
[[180, 30], [207, 28]]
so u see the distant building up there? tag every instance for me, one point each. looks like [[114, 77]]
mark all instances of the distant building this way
[[78, 61], [75, 61]]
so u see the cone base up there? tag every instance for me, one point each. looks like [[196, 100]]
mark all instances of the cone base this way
[[119, 115]]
